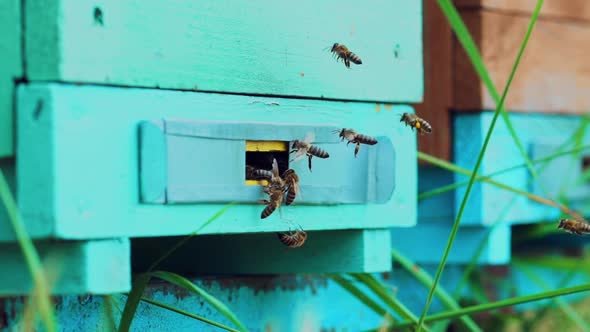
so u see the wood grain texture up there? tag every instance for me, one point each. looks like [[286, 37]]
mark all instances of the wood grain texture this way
[[323, 252], [488, 203], [558, 9], [10, 69], [553, 73], [438, 82], [95, 267], [261, 47], [86, 138]]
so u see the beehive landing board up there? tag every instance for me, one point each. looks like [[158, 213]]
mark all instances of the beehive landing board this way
[[86, 138]]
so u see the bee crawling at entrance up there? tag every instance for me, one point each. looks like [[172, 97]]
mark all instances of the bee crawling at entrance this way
[[305, 148], [293, 239], [574, 226], [291, 186], [353, 137], [343, 53], [275, 190], [417, 122]]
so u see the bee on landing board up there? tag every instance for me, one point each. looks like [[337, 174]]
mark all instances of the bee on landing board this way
[[417, 122], [305, 148], [574, 226], [343, 53], [353, 137], [293, 239], [291, 186]]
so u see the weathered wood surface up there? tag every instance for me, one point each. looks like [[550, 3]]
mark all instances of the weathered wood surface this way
[[10, 69], [552, 76], [569, 10], [255, 47]]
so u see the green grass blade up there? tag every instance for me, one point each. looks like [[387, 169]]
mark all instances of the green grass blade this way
[[139, 284], [32, 259], [495, 305], [381, 292], [361, 296], [455, 20], [425, 279], [188, 285], [188, 314], [188, 237], [459, 184], [566, 308], [109, 312]]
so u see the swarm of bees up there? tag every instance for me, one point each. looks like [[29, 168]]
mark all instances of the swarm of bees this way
[[284, 188]]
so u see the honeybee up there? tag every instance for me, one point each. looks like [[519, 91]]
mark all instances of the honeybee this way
[[276, 197], [353, 137], [342, 52], [574, 226], [417, 122], [274, 190], [293, 239], [253, 173], [291, 186], [304, 148]]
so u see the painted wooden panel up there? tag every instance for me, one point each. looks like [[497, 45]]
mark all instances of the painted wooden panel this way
[[487, 202], [10, 69], [95, 267], [312, 303], [433, 238], [222, 178], [571, 10], [323, 252], [86, 138], [547, 81], [276, 48]]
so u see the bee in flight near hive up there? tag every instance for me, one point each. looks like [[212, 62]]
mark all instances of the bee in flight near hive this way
[[274, 190], [293, 239], [343, 53], [291, 186], [305, 148], [574, 226], [353, 137], [417, 122]]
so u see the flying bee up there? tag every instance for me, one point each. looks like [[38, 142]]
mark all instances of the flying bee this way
[[293, 239], [353, 137], [343, 53], [574, 226], [417, 122], [305, 148], [291, 186], [253, 173]]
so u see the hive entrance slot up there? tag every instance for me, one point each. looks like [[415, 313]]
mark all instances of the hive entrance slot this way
[[259, 154]]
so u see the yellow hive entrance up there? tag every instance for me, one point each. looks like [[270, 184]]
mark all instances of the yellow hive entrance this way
[[259, 154]]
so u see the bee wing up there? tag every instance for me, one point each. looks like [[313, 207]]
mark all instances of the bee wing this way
[[309, 137], [275, 168], [299, 154]]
